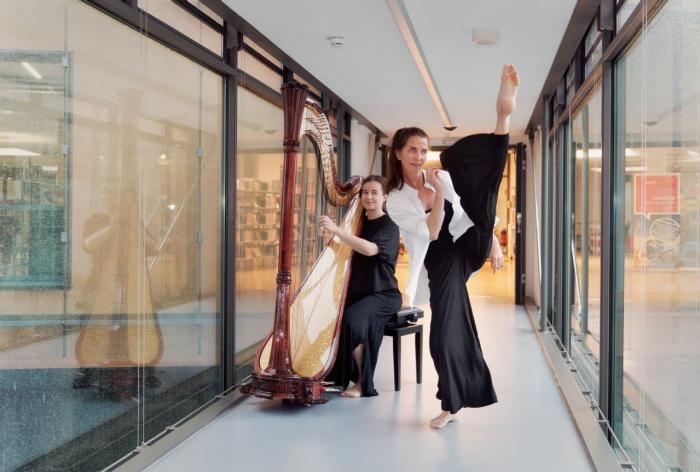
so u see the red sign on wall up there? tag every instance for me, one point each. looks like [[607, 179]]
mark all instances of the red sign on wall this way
[[657, 194]]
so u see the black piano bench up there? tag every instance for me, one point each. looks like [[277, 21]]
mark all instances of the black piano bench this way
[[404, 322]]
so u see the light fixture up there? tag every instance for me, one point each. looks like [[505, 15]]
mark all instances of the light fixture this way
[[29, 68], [336, 41], [486, 37], [16, 152], [171, 207], [433, 156], [398, 11], [598, 153], [162, 157]]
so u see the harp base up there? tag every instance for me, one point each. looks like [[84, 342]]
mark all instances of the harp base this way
[[303, 390]]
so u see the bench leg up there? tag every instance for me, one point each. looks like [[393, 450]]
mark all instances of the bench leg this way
[[419, 355], [397, 362]]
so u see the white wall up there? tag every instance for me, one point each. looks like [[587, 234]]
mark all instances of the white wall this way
[[362, 151]]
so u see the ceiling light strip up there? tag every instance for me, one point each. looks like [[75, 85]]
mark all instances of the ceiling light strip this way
[[398, 11]]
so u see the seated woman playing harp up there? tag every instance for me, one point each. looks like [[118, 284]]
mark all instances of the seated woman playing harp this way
[[373, 295]]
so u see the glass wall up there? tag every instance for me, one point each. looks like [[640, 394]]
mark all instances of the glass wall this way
[[658, 155], [258, 198], [259, 191], [110, 248], [586, 153]]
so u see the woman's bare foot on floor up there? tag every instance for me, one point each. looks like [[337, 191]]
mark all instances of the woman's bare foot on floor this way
[[442, 419], [353, 392], [505, 103]]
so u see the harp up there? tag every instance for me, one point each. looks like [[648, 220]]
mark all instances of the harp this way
[[295, 357]]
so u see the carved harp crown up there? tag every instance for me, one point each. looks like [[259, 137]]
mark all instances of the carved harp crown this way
[[293, 364]]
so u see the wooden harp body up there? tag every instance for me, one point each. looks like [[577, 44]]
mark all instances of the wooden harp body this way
[[293, 360]]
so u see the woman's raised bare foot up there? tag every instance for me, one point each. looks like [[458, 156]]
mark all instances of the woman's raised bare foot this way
[[505, 103], [442, 419], [353, 392]]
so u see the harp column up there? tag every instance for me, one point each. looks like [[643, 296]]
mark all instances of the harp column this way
[[293, 98]]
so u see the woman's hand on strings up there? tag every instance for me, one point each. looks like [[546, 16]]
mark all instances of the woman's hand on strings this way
[[327, 228]]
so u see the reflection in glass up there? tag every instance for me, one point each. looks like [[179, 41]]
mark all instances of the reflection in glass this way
[[111, 183], [258, 200], [586, 148], [34, 127], [657, 137]]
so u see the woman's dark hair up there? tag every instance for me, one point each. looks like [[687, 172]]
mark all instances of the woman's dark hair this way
[[399, 140], [374, 178]]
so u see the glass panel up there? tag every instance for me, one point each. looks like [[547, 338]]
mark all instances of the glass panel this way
[[262, 52], [570, 86], [258, 196], [186, 23], [593, 59], [624, 12], [129, 342], [591, 37], [657, 136], [585, 321], [255, 68], [207, 11]]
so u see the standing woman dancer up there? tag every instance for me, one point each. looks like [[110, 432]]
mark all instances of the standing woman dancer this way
[[373, 292], [446, 220]]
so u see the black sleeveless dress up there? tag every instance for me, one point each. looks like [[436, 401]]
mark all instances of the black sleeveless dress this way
[[475, 164]]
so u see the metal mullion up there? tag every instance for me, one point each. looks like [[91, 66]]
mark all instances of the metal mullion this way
[[625, 36], [612, 263], [567, 188], [559, 249], [259, 88], [546, 231], [580, 99], [229, 243]]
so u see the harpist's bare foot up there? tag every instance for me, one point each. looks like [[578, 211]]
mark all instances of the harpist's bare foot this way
[[442, 419], [353, 392], [505, 104]]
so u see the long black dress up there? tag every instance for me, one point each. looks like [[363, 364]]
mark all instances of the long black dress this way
[[373, 297], [475, 164]]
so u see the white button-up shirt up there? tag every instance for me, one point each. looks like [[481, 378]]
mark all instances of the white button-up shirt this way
[[407, 211]]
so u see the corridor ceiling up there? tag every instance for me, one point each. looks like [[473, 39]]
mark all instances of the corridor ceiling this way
[[374, 71]]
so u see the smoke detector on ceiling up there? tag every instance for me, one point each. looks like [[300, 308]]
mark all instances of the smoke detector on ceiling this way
[[486, 37], [336, 41]]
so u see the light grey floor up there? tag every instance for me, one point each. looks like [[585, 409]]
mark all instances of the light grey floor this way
[[529, 429]]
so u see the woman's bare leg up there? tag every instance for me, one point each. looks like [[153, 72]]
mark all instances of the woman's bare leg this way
[[505, 103], [356, 390]]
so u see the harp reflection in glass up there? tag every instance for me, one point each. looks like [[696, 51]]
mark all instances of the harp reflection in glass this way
[[293, 360]]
